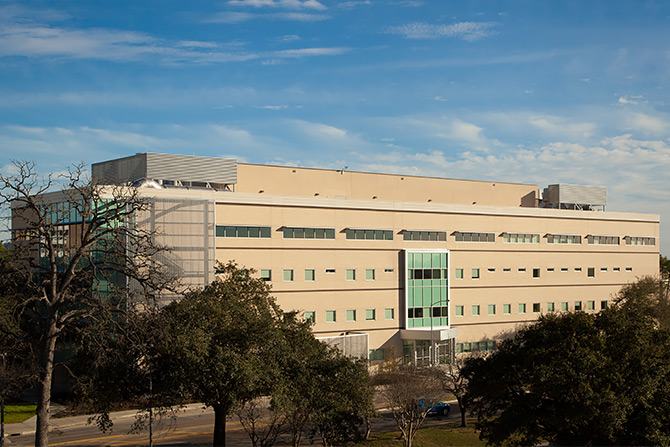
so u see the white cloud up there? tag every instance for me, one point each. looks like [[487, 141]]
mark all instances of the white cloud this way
[[23, 37], [469, 31], [270, 107], [288, 4], [554, 125], [303, 52], [320, 130], [632, 100], [440, 98], [289, 38], [647, 124]]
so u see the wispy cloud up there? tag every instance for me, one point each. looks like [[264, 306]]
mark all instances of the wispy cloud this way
[[36, 40], [287, 4], [469, 31], [271, 107], [241, 17], [647, 124], [632, 100]]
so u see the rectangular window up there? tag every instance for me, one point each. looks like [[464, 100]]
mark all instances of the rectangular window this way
[[603, 269], [550, 307], [351, 315], [266, 274], [536, 273], [458, 273], [388, 313], [564, 239], [507, 309], [370, 314], [364, 234], [565, 306], [410, 235], [308, 233], [388, 270], [475, 237], [550, 269], [522, 308], [309, 275], [491, 269], [475, 309], [475, 273], [331, 316], [522, 269], [477, 346], [591, 272], [376, 354], [521, 238], [369, 274], [578, 269], [492, 309], [507, 269], [603, 305], [537, 307], [637, 240], [603, 240], [629, 269], [616, 269], [564, 269], [578, 305], [242, 231], [310, 316], [330, 271], [350, 275], [591, 305], [288, 275], [459, 311]]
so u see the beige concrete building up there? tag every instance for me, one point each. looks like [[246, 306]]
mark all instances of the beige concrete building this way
[[370, 257]]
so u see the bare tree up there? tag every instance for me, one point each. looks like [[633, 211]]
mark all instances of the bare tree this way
[[77, 250], [263, 423], [410, 392], [456, 383]]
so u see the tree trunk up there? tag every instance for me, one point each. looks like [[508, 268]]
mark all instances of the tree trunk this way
[[220, 414], [461, 406], [44, 387]]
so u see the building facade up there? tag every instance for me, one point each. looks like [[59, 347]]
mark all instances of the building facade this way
[[390, 265]]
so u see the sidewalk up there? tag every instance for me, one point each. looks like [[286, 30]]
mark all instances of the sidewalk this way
[[28, 427]]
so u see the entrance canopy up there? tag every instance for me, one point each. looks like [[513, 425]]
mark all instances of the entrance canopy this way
[[424, 334]]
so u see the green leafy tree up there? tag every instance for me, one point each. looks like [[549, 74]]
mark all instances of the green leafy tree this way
[[664, 267], [576, 379], [17, 362], [219, 338], [649, 296], [343, 402]]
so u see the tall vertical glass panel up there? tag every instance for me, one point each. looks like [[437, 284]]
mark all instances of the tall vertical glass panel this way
[[427, 288]]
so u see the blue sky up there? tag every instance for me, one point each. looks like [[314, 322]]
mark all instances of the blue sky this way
[[520, 91]]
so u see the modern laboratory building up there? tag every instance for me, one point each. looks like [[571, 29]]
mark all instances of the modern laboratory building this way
[[390, 265]]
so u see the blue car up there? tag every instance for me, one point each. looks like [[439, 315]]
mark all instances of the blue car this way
[[438, 408]]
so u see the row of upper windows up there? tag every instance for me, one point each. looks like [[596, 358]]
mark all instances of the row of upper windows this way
[[411, 235], [350, 315], [310, 274], [590, 271], [492, 309], [288, 275]]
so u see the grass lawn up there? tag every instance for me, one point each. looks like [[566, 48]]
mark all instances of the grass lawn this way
[[432, 436], [18, 411]]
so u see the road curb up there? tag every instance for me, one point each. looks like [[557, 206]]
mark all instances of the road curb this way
[[28, 427]]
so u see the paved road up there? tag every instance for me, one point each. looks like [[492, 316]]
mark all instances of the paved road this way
[[191, 429]]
